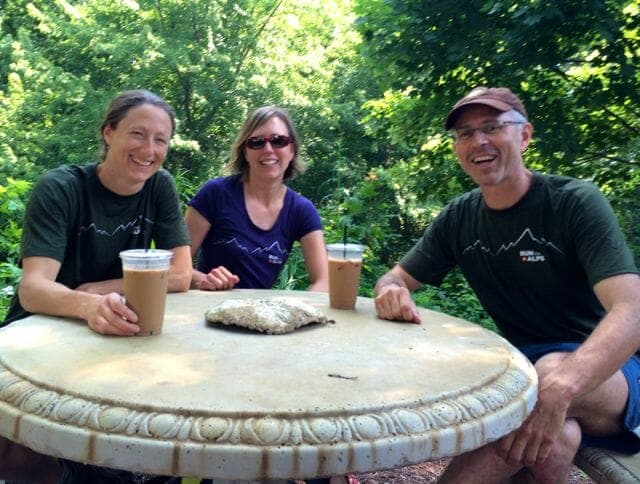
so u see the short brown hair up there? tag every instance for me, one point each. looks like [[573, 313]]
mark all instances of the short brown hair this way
[[124, 102]]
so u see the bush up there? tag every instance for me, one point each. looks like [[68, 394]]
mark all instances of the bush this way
[[13, 194], [456, 298]]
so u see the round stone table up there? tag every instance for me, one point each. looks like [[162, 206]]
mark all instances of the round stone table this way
[[358, 395]]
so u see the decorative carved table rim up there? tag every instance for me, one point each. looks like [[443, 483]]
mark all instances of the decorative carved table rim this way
[[355, 396]]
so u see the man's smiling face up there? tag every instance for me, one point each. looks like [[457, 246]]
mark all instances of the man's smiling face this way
[[490, 159]]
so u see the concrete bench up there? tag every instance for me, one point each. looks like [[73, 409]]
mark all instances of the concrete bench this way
[[605, 466]]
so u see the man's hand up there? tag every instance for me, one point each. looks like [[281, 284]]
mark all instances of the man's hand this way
[[110, 315], [218, 279], [394, 302], [393, 296], [532, 442]]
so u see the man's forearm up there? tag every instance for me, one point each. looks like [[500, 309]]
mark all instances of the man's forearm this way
[[613, 341]]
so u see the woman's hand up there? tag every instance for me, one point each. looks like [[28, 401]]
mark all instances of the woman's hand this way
[[218, 279], [109, 314]]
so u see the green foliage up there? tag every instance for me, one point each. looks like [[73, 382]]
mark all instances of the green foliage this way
[[213, 61], [294, 274], [12, 203], [629, 216], [13, 195], [186, 187], [347, 218], [368, 84], [455, 297], [574, 63]]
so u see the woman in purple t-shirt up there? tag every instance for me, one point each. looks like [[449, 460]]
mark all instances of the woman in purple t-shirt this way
[[245, 224]]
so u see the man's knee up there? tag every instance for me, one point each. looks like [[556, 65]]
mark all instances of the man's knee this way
[[549, 362], [557, 466]]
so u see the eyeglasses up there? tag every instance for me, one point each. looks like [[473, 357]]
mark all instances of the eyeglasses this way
[[275, 140], [489, 129]]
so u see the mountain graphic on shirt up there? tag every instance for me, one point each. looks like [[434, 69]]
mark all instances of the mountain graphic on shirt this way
[[526, 238], [274, 247], [133, 227]]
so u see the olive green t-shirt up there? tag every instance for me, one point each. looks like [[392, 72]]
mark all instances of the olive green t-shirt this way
[[532, 266], [72, 218]]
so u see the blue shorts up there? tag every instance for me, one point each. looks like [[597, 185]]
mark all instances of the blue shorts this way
[[628, 442]]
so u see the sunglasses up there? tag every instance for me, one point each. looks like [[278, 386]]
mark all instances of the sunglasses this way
[[275, 140]]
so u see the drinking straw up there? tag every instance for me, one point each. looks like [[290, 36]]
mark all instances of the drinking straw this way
[[344, 242]]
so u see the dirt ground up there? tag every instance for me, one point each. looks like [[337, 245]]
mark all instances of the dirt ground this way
[[428, 472]]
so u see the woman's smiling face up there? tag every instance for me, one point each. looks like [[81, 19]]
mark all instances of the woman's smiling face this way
[[138, 145], [268, 161]]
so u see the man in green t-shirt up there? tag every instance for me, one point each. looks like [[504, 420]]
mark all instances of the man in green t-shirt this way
[[77, 221], [547, 260]]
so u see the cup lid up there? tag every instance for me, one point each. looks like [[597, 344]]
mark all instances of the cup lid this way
[[348, 247], [146, 254], [345, 251]]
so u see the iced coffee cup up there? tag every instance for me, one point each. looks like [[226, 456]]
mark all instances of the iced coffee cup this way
[[146, 277], [345, 263]]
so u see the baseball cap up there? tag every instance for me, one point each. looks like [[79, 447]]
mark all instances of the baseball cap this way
[[500, 98]]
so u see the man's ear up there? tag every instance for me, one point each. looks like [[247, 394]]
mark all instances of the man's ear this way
[[527, 134]]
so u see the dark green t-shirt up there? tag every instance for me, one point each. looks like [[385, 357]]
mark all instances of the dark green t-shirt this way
[[72, 218], [533, 265]]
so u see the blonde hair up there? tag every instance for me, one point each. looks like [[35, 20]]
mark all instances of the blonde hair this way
[[238, 164]]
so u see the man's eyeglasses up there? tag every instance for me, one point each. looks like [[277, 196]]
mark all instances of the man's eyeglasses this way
[[489, 129], [276, 141]]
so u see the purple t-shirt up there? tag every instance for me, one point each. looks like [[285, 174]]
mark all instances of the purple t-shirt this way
[[256, 256]]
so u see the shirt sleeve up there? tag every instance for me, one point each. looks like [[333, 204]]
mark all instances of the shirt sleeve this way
[[46, 221], [204, 201], [170, 230], [307, 217], [431, 258], [599, 241]]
